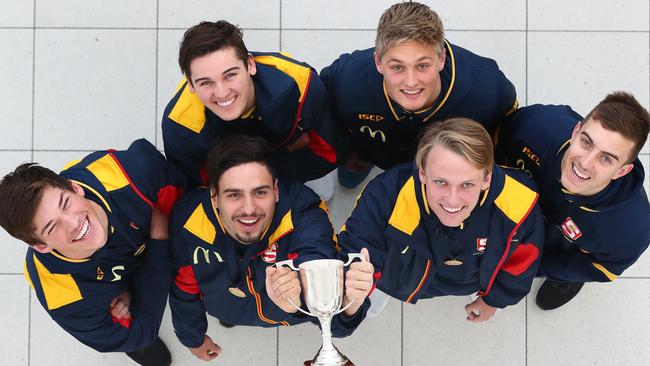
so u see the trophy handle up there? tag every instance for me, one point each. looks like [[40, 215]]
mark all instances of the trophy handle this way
[[289, 263], [351, 257]]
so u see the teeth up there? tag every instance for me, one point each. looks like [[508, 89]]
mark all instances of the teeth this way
[[227, 102], [411, 92], [249, 221], [580, 175], [84, 230], [451, 209]]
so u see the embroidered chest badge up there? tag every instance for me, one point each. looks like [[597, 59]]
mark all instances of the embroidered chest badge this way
[[270, 254], [481, 244], [570, 229]]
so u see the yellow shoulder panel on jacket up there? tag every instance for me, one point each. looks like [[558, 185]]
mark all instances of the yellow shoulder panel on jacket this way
[[515, 199], [285, 227], [59, 289], [610, 276], [70, 164], [29, 280], [406, 213], [188, 111], [200, 225], [299, 73], [108, 173]]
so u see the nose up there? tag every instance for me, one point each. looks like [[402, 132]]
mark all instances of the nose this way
[[589, 160], [410, 79], [220, 91], [453, 198], [249, 205], [71, 223]]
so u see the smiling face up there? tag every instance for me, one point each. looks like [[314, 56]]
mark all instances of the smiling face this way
[[246, 201], [453, 185], [411, 73], [69, 223], [224, 82], [595, 157]]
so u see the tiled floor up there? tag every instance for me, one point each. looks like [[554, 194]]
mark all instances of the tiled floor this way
[[90, 74]]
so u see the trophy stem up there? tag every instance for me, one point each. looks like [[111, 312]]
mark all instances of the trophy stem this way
[[326, 326], [328, 354]]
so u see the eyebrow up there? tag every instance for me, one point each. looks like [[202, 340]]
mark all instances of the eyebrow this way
[[235, 190], [223, 73], [51, 221], [418, 60], [591, 141]]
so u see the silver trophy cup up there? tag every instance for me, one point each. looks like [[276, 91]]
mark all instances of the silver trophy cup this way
[[322, 283]]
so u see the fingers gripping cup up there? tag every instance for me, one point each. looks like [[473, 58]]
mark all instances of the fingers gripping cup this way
[[322, 283]]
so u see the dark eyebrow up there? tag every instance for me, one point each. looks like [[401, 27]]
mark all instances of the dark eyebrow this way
[[613, 156], [418, 60], [51, 221]]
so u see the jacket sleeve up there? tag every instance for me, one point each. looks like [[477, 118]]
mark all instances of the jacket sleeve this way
[[515, 276], [508, 102], [570, 264], [180, 151], [328, 142], [188, 312], [91, 322]]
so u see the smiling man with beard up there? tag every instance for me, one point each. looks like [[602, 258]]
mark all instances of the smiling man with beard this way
[[226, 238], [99, 259], [591, 189]]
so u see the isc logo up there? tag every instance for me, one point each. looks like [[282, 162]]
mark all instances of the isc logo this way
[[370, 117], [532, 156]]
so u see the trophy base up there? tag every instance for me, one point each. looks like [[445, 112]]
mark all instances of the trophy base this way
[[349, 363]]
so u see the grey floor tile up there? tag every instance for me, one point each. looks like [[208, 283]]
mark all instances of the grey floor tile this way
[[484, 15], [436, 331], [96, 13], [508, 49], [373, 343], [573, 68], [16, 60], [597, 15], [606, 324], [321, 48], [641, 268], [251, 14], [341, 205], [335, 14], [16, 13], [90, 91], [14, 338]]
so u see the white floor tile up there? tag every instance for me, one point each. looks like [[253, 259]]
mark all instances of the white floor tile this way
[[96, 13], [436, 329], [249, 14], [321, 48], [16, 60], [594, 15], [89, 80], [477, 14], [344, 200], [641, 268], [606, 324], [14, 338], [508, 49], [16, 13], [577, 69], [335, 14]]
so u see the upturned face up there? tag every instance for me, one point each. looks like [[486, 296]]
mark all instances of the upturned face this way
[[224, 83], [411, 73], [453, 185]]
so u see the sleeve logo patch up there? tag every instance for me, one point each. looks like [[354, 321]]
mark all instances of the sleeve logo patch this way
[[270, 254], [481, 244], [570, 229]]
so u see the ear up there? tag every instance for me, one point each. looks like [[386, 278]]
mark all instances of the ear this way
[[422, 176], [622, 171], [78, 189], [486, 181], [190, 85], [41, 248], [276, 191], [377, 63], [252, 67], [576, 129], [214, 197], [443, 58]]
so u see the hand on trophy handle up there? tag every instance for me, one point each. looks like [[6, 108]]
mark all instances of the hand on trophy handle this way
[[283, 288], [278, 265], [358, 282], [207, 351]]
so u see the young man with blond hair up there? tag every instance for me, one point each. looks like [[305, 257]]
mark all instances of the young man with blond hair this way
[[453, 223], [413, 77], [591, 189]]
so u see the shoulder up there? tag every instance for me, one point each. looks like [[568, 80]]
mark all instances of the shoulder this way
[[516, 195]]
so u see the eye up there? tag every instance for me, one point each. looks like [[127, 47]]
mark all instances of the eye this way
[[423, 66], [261, 193], [229, 76], [606, 160], [233, 195], [468, 185], [397, 68], [585, 142], [439, 182], [205, 83], [49, 232], [66, 204]]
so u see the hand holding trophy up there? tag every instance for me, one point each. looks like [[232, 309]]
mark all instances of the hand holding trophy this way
[[323, 283]]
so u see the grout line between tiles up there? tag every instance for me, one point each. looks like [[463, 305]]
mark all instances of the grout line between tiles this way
[[280, 28], [155, 91], [11, 274]]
